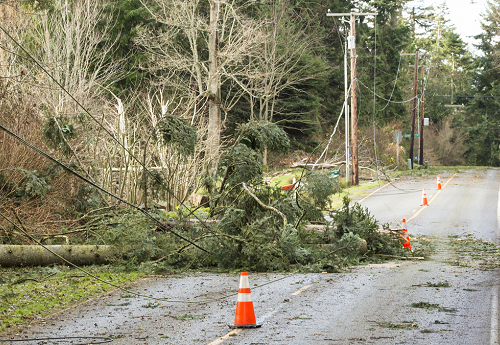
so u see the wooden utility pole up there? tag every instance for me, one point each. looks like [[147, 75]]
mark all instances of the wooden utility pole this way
[[421, 162], [414, 109], [354, 108], [421, 124], [354, 105]]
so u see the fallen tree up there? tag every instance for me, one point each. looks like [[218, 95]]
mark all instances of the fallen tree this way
[[33, 255]]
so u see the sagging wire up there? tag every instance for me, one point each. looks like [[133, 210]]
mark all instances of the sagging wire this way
[[385, 99], [100, 125], [334, 130], [395, 81], [104, 340]]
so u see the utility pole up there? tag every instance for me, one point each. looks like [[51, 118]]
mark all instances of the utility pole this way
[[421, 161], [414, 105], [421, 116], [346, 113], [354, 105], [415, 84]]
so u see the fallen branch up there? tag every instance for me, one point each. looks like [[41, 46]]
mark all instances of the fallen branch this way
[[160, 259], [267, 207], [79, 219]]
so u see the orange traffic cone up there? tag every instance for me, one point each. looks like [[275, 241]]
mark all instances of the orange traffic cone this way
[[405, 227], [438, 184], [407, 243], [424, 199], [245, 315]]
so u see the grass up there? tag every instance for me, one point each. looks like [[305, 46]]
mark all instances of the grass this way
[[285, 179], [353, 192], [30, 294]]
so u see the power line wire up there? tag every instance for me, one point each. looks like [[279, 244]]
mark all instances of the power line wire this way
[[395, 81]]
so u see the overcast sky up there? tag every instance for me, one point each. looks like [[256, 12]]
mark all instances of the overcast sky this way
[[465, 15]]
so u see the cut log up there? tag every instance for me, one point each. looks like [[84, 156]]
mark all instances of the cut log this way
[[32, 255]]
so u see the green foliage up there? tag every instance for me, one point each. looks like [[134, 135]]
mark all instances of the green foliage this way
[[183, 212], [130, 232], [258, 135], [129, 15], [358, 220], [354, 219], [32, 185], [319, 187], [57, 132], [242, 162], [241, 165], [258, 226], [35, 185], [178, 133], [482, 119]]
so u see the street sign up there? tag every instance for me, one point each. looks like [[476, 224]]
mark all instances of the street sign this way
[[409, 135], [398, 136]]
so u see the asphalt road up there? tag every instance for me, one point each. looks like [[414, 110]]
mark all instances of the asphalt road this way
[[368, 305]]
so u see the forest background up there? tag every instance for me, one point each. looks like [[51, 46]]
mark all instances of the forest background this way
[[158, 101]]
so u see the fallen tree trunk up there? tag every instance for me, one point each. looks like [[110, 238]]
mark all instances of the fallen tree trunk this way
[[32, 255]]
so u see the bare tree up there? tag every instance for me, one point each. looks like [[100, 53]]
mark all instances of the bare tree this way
[[74, 46], [278, 63], [200, 46]]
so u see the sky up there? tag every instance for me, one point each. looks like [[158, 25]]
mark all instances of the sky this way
[[465, 15]]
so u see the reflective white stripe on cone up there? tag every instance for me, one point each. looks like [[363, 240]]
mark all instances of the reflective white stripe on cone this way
[[424, 199], [438, 184]]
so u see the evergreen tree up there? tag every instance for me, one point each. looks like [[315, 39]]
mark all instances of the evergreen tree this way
[[484, 108]]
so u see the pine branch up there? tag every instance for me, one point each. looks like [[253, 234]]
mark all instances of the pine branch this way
[[267, 207]]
